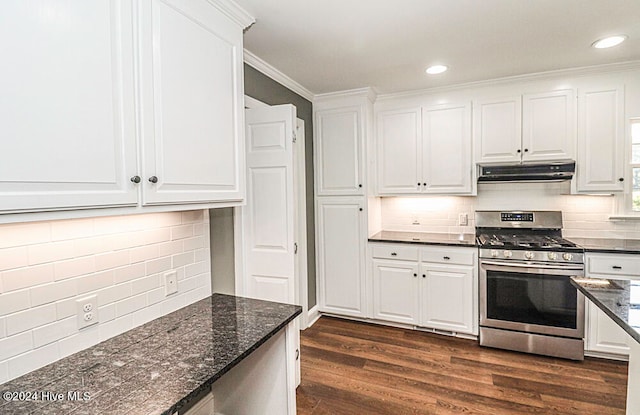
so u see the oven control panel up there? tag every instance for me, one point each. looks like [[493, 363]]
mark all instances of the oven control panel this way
[[516, 216]]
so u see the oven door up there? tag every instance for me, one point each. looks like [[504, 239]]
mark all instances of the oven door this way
[[531, 298]]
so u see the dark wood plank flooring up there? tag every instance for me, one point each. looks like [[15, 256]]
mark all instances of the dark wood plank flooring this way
[[357, 368]]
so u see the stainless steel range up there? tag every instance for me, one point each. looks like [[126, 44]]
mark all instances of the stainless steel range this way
[[527, 302]]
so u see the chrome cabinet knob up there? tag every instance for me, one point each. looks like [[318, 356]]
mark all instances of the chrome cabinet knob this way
[[153, 179], [135, 179]]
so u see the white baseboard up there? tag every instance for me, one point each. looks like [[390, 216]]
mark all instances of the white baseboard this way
[[313, 315]]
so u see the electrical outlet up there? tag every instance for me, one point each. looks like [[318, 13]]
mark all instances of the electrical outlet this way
[[86, 311], [463, 219], [170, 283]]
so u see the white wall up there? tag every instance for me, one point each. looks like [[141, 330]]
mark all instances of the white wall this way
[[46, 266], [583, 216]]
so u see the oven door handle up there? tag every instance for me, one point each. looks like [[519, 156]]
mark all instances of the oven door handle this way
[[502, 266]]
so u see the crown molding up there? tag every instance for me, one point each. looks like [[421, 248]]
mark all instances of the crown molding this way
[[275, 74], [536, 76], [236, 13], [367, 92]]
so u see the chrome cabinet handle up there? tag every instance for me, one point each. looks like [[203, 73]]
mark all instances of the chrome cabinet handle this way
[[135, 179], [153, 179]]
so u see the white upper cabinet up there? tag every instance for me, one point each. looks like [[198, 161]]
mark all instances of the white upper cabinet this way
[[425, 150], [67, 117], [497, 126], [528, 128], [600, 140], [339, 151], [446, 149], [192, 103], [104, 97], [548, 126], [399, 157]]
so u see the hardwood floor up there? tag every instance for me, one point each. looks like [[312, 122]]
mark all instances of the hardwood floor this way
[[356, 368]]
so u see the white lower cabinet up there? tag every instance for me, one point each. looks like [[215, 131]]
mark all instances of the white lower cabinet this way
[[396, 294], [603, 335], [341, 236], [433, 287], [448, 298]]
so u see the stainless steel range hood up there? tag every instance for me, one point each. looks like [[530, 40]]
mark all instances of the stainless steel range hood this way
[[557, 172]]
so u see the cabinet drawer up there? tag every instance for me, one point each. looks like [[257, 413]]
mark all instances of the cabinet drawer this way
[[627, 265], [406, 253], [449, 256]]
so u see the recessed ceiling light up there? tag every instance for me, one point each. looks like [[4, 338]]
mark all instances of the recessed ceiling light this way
[[436, 69], [609, 42]]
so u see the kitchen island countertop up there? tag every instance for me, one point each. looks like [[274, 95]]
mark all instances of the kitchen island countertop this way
[[425, 238], [156, 368]]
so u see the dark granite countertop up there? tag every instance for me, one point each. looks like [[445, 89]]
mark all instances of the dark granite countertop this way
[[607, 245], [619, 299], [425, 238], [159, 367]]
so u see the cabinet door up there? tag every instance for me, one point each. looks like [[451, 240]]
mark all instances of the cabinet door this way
[[192, 97], [446, 149], [338, 145], [448, 298], [67, 109], [600, 140], [603, 334], [497, 130], [341, 254], [548, 126], [398, 152], [395, 291]]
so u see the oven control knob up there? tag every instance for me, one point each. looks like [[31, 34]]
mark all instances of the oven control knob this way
[[528, 255], [494, 253], [567, 256], [552, 256], [507, 254]]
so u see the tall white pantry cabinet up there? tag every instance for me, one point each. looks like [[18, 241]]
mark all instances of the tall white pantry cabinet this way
[[342, 126], [114, 103]]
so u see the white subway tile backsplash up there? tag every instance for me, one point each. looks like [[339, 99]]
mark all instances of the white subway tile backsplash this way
[[14, 257], [52, 292], [158, 265], [54, 331], [26, 277], [34, 359], [14, 301], [93, 282], [46, 266], [28, 319], [145, 284], [74, 267], [15, 345]]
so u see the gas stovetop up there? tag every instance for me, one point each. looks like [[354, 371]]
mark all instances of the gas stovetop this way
[[534, 236]]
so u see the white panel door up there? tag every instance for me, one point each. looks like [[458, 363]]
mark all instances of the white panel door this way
[[338, 149], [446, 149], [548, 126], [191, 71], [497, 130], [67, 120], [600, 140], [603, 334], [398, 151], [267, 219], [396, 293], [340, 233], [447, 298]]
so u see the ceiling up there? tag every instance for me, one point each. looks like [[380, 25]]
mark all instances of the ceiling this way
[[334, 45]]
